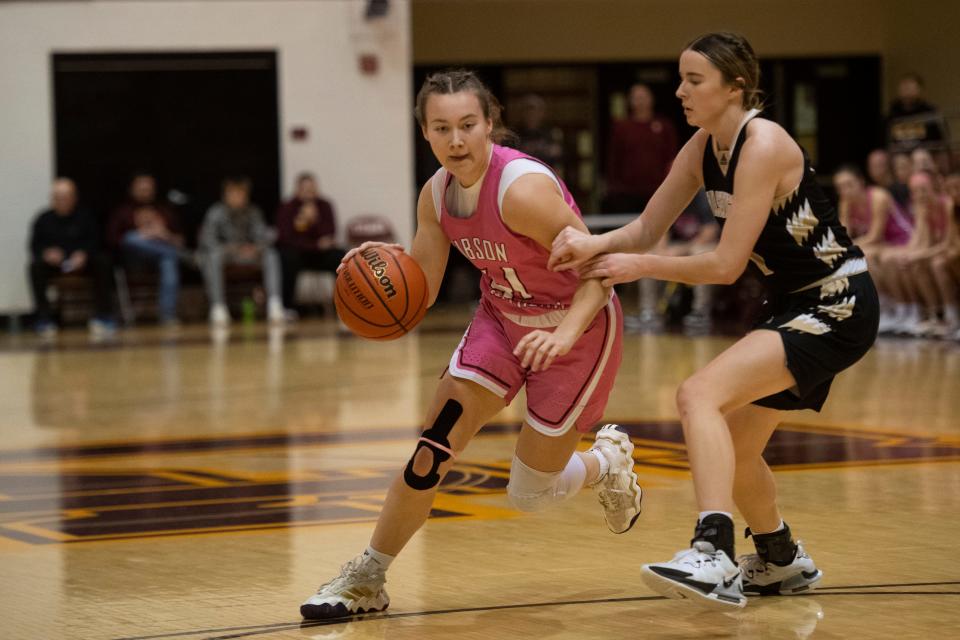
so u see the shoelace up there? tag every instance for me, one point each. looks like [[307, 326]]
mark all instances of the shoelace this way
[[753, 565], [351, 570], [695, 557]]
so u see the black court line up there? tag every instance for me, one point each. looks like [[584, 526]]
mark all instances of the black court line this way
[[253, 630], [886, 586]]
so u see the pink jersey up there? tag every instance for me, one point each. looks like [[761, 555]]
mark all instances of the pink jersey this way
[[515, 277], [938, 219], [899, 226], [860, 215]]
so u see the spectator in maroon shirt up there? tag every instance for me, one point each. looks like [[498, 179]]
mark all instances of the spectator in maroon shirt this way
[[639, 154], [145, 232], [306, 235]]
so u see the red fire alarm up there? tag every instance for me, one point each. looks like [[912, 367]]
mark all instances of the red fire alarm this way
[[299, 134], [369, 63]]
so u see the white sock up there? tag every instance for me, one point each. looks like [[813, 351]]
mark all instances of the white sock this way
[[573, 477], [704, 514], [604, 465], [381, 559], [779, 528]]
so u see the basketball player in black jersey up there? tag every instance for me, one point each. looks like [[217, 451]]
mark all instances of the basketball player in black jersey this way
[[820, 317]]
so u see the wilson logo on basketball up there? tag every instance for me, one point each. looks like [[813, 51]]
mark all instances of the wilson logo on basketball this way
[[379, 268]]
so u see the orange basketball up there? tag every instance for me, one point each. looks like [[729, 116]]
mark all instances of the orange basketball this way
[[381, 294]]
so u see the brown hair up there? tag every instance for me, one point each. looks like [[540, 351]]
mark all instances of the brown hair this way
[[454, 81], [733, 56], [242, 182], [852, 169]]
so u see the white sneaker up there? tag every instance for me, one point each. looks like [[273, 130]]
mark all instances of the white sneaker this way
[[888, 322], [46, 329], [276, 314], [767, 579], [358, 589], [697, 321], [219, 316], [101, 328], [618, 490], [646, 321], [908, 324], [924, 329], [700, 574]]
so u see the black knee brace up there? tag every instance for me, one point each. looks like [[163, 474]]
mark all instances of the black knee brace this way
[[434, 439]]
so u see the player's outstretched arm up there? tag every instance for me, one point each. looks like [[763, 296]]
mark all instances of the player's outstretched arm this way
[[762, 163], [573, 247]]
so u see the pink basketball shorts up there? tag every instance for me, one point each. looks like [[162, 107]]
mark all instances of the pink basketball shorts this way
[[573, 392]]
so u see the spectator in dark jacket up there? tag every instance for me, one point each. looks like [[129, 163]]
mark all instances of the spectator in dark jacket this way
[[64, 241], [913, 122], [306, 235]]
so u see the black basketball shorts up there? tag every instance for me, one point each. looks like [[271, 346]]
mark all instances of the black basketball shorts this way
[[824, 330]]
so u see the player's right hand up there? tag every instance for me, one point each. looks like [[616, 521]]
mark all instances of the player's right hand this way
[[369, 244], [572, 248]]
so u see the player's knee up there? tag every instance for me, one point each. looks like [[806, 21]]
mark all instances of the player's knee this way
[[529, 490], [690, 392], [426, 467], [526, 501], [423, 461]]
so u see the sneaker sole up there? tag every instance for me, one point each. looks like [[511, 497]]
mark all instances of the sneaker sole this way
[[333, 611], [774, 589], [678, 591], [622, 440]]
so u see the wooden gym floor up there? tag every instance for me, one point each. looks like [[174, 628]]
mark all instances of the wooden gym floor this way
[[187, 486]]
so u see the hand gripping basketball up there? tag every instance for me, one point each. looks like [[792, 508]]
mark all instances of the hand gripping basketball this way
[[381, 292]]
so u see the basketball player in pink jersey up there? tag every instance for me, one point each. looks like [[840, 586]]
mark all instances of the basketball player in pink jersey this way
[[553, 333]]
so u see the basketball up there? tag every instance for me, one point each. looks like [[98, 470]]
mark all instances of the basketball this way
[[381, 294]]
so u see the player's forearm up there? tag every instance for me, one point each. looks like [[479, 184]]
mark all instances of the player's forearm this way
[[589, 298], [705, 268], [632, 238]]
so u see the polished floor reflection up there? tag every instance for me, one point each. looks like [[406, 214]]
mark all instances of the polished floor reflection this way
[[188, 485]]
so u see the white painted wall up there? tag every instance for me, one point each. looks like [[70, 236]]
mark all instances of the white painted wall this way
[[359, 144]]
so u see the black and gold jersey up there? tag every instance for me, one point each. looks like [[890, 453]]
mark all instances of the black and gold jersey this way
[[802, 243]]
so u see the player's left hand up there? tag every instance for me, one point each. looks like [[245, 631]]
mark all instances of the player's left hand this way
[[613, 268], [538, 349]]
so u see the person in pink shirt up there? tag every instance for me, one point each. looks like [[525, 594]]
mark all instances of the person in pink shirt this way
[[910, 279], [946, 265], [555, 335], [878, 223]]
